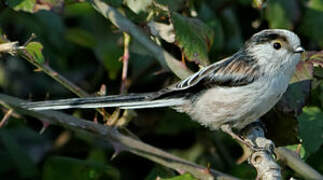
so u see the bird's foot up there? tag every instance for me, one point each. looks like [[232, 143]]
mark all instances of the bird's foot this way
[[255, 144]]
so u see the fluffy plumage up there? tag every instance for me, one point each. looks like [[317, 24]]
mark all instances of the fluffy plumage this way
[[235, 91]]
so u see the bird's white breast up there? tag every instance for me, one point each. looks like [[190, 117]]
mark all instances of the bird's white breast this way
[[240, 105]]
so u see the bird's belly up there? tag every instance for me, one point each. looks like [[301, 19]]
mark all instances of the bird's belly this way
[[238, 106]]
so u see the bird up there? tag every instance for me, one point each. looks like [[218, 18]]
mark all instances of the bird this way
[[228, 94]]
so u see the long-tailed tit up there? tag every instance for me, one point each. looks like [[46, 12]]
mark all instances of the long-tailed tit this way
[[230, 93]]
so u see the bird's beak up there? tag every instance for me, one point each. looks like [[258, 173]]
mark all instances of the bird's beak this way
[[299, 49]]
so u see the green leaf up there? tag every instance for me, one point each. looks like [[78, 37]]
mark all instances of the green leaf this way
[[294, 148], [243, 171], [259, 4], [171, 4], [311, 129], [114, 3], [278, 15], [278, 121], [305, 68], [3, 38], [78, 9], [316, 4], [9, 165], [207, 15], [22, 5], [163, 31], [185, 176], [24, 164], [232, 30], [160, 171], [167, 126], [193, 37], [311, 25], [294, 99], [109, 53], [65, 168], [33, 6], [80, 37], [35, 49], [304, 71], [315, 160], [315, 57], [191, 154], [50, 28], [97, 155], [138, 6]]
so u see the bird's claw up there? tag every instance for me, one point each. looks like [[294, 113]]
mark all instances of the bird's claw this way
[[268, 146]]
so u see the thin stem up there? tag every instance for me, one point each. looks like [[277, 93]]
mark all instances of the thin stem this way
[[59, 78], [6, 117], [125, 60], [55, 75]]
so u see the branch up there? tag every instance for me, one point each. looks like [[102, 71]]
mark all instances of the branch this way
[[295, 163], [262, 159], [264, 163], [109, 134], [6, 117], [53, 74], [10, 47], [125, 25]]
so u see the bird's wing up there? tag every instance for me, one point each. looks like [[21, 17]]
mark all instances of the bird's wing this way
[[237, 70]]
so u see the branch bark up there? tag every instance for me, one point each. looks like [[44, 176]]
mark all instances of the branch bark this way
[[265, 164], [122, 142], [290, 159], [10, 47], [53, 74], [262, 159]]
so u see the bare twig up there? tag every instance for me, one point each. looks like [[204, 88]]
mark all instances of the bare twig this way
[[59, 78], [10, 47], [5, 117], [125, 60], [111, 135], [164, 58], [295, 163], [53, 74]]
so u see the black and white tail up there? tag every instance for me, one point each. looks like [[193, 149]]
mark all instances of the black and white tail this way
[[131, 101]]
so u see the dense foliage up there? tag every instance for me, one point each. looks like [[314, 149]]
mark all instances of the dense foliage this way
[[80, 44]]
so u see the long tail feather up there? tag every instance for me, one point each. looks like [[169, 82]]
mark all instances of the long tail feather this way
[[132, 101]]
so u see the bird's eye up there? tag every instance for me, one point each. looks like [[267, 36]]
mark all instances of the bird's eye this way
[[277, 45]]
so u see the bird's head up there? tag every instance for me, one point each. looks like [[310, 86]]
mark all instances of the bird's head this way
[[275, 48]]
